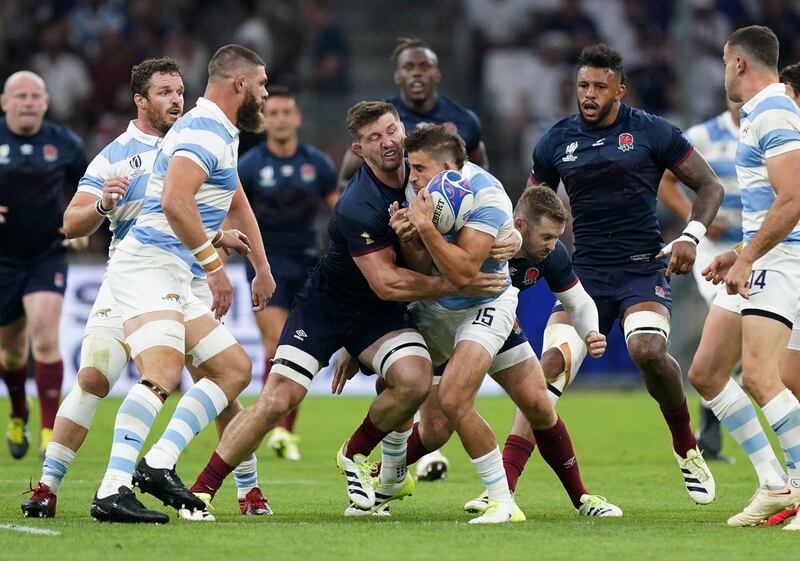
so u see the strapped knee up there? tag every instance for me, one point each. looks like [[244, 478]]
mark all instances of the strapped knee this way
[[566, 340], [216, 341], [79, 406], [158, 333], [105, 354], [646, 322], [295, 364], [410, 343]]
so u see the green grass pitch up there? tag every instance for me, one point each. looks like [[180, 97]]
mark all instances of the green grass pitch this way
[[623, 447]]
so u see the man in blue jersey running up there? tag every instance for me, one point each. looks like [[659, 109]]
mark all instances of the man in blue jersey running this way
[[610, 158]]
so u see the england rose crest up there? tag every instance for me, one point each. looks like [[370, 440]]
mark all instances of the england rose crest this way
[[625, 141]]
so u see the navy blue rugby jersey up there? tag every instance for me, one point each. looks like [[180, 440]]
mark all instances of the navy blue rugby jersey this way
[[556, 269], [359, 225], [37, 174], [286, 195], [611, 175], [446, 112]]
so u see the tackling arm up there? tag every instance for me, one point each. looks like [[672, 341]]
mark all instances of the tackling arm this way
[[390, 282]]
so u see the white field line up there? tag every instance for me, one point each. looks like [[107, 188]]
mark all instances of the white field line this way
[[29, 530]]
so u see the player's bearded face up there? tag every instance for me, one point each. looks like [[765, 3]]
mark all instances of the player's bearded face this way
[[597, 91], [164, 101], [732, 88], [539, 237], [382, 143], [250, 116]]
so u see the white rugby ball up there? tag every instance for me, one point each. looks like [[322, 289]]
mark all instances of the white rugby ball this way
[[452, 200]]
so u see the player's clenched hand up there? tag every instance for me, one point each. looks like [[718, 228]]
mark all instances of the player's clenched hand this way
[[221, 292], [420, 211], [113, 190], [716, 270], [262, 289], [486, 284], [345, 368], [595, 344], [234, 240], [3, 210], [505, 249], [681, 258], [399, 222], [736, 281]]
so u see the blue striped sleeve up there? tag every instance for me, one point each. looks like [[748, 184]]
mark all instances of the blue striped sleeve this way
[[777, 137], [204, 155]]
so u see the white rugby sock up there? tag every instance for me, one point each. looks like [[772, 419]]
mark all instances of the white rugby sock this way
[[393, 456], [783, 414], [196, 409], [736, 413], [490, 468], [246, 476], [57, 459]]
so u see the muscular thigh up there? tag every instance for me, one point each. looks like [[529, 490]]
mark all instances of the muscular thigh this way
[[720, 345]]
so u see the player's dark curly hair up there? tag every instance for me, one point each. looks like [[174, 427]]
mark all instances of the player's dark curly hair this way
[[439, 142], [405, 43], [759, 42], [142, 72], [365, 113], [791, 75], [537, 201], [602, 56]]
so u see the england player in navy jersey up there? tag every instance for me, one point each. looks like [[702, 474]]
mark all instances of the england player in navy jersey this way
[[353, 299], [610, 158], [418, 102], [287, 183], [765, 272], [40, 165]]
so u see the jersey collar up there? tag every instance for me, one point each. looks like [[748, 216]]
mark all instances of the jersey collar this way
[[772, 89], [214, 108], [144, 138]]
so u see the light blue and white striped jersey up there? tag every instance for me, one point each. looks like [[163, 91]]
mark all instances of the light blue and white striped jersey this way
[[717, 139], [492, 213], [132, 155], [208, 138], [770, 127]]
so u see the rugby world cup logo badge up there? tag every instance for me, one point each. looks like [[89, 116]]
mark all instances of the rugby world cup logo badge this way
[[625, 142]]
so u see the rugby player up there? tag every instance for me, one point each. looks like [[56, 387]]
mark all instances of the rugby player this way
[[192, 186], [286, 182], [40, 164], [610, 158]]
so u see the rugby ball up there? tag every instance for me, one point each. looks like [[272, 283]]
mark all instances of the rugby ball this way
[[452, 200]]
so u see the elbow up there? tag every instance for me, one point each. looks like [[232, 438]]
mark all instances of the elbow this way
[[170, 207], [70, 226]]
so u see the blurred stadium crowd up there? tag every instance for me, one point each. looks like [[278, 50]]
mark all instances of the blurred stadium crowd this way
[[510, 60]]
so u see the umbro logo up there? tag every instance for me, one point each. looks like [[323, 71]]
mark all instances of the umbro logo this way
[[300, 335], [597, 143]]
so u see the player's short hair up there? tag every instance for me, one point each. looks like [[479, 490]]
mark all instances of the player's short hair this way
[[439, 142], [759, 42], [538, 201], [602, 56], [365, 113], [142, 72], [230, 58], [791, 75], [405, 43]]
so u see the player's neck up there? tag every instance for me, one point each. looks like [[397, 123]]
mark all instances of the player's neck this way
[[19, 131], [395, 179], [611, 118], [226, 104], [758, 82], [420, 107], [283, 148], [144, 126]]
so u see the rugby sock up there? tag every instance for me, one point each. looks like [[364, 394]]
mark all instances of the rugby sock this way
[[48, 385], [736, 413], [393, 456], [783, 414], [678, 421], [415, 449], [196, 409], [265, 375], [57, 459], [365, 439], [131, 427], [555, 446], [516, 452], [288, 420], [15, 382], [246, 476], [490, 469], [212, 476]]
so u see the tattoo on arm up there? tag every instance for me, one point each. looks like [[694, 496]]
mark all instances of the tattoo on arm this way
[[696, 174]]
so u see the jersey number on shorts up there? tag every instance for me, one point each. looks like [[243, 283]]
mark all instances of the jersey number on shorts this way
[[485, 317], [758, 278]]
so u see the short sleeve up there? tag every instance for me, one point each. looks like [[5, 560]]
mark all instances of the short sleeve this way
[[557, 269], [326, 175], [489, 212], [670, 147], [203, 141], [96, 174], [542, 169], [472, 132], [777, 128], [364, 236]]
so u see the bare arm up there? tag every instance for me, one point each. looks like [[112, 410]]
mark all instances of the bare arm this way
[[673, 197], [390, 282], [184, 178], [81, 217], [698, 176]]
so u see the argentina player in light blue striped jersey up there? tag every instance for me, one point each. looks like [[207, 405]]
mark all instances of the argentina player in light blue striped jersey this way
[[192, 187], [765, 273]]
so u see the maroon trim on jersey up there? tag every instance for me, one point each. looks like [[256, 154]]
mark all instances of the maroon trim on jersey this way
[[533, 179], [683, 158], [571, 285], [369, 250]]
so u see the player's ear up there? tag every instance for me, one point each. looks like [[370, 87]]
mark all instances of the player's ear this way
[[623, 88], [140, 101], [397, 76], [519, 224], [437, 75], [357, 150], [239, 83]]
